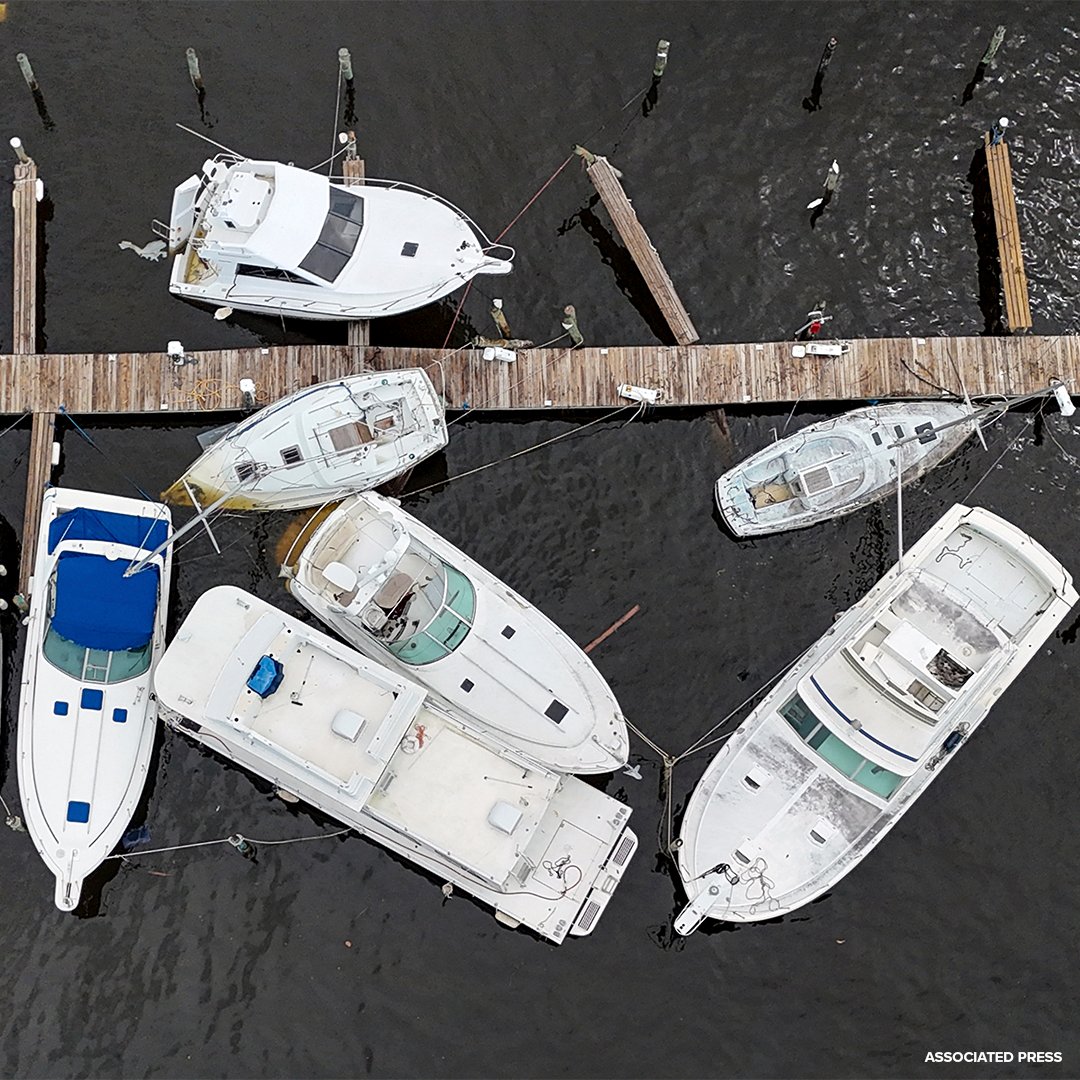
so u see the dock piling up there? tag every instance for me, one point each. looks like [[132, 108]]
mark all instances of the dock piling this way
[[1007, 227], [569, 324], [27, 70], [992, 48], [662, 48], [499, 318], [813, 102], [193, 70], [20, 152], [345, 63]]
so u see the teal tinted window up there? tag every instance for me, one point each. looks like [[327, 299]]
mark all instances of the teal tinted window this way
[[799, 716], [95, 665], [878, 779], [450, 624], [843, 757]]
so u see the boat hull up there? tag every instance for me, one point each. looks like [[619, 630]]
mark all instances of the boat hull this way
[[770, 826], [84, 745], [761, 495]]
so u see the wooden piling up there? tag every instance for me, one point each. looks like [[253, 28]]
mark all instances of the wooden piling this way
[[992, 48], [641, 249], [193, 69], [359, 331], [1010, 253], [662, 47], [27, 70]]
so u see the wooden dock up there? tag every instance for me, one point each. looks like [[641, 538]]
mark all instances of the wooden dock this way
[[1010, 254], [359, 331], [641, 250], [756, 373]]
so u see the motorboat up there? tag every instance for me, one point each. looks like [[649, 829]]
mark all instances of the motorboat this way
[[409, 599], [266, 237], [371, 749], [318, 444], [87, 714], [838, 465], [854, 732]]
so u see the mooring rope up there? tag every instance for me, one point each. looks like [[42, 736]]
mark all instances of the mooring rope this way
[[230, 839]]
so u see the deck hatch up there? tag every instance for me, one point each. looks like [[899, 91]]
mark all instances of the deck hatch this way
[[816, 480], [556, 711], [291, 455], [409, 249]]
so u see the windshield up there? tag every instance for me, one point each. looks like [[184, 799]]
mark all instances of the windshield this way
[[434, 617], [340, 233], [840, 755]]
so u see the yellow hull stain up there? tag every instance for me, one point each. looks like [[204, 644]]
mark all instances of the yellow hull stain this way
[[177, 495], [298, 532]]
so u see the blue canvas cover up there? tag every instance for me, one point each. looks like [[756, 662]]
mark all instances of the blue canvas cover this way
[[98, 608], [84, 524]]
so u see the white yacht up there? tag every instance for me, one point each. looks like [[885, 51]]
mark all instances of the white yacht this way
[[86, 715], [370, 749], [265, 237], [407, 598], [318, 444], [838, 465], [853, 733]]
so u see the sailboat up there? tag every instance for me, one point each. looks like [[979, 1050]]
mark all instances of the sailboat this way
[[854, 732], [321, 443], [839, 465], [87, 714], [371, 749], [409, 599], [266, 237]]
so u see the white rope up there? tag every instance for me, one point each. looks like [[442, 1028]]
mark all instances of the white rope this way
[[226, 839]]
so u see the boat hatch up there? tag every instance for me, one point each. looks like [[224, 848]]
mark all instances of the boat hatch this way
[[757, 778], [816, 480], [292, 455], [349, 436], [822, 832]]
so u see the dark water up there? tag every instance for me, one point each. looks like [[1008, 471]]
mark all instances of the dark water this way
[[331, 958]]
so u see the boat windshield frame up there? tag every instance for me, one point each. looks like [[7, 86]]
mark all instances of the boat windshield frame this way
[[450, 624], [836, 752], [340, 233]]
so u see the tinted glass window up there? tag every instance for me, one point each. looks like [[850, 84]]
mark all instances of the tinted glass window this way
[[324, 262], [346, 205]]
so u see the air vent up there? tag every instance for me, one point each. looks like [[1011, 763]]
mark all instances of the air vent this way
[[467, 685], [822, 832], [622, 853], [508, 632], [556, 711], [757, 778], [588, 916], [245, 471], [410, 249], [744, 859], [291, 455], [816, 480], [751, 783]]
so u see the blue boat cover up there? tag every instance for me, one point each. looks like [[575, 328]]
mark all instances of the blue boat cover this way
[[98, 608], [266, 677], [84, 524]]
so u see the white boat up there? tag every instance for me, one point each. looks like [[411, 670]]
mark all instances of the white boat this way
[[319, 444], [838, 465], [370, 749], [265, 237], [87, 715], [407, 598], [853, 733]]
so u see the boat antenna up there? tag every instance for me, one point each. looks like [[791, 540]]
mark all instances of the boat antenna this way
[[206, 138]]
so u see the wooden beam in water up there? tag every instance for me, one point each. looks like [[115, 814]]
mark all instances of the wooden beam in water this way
[[1010, 253], [641, 250], [40, 470], [24, 252]]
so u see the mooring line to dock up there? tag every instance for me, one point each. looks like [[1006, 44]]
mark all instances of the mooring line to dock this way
[[519, 453], [62, 411], [228, 840]]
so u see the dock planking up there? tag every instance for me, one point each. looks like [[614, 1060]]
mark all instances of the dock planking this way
[[1007, 227]]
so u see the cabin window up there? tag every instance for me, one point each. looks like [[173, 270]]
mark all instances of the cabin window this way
[[291, 455], [840, 755], [274, 273], [338, 238]]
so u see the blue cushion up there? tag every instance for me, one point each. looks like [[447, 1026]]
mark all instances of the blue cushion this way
[[120, 715], [91, 699], [266, 677], [79, 812]]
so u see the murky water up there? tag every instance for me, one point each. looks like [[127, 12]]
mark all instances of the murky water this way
[[331, 957]]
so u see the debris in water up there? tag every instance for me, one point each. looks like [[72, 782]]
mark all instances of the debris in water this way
[[153, 251], [633, 771]]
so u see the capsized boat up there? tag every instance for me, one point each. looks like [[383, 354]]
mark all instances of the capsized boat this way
[[838, 465], [319, 444], [87, 714], [265, 237], [371, 749], [852, 735], [404, 596]]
